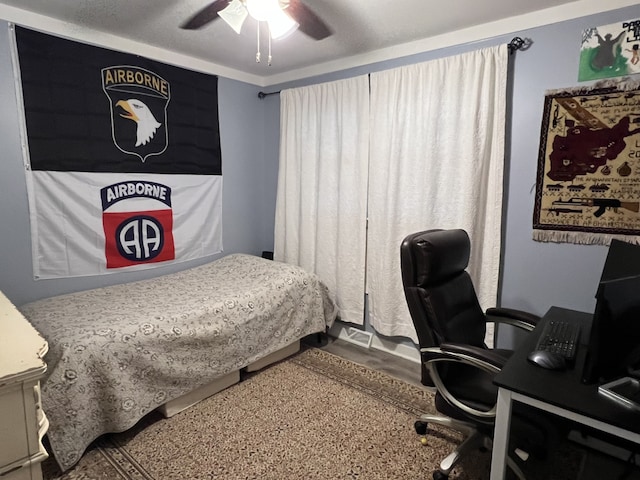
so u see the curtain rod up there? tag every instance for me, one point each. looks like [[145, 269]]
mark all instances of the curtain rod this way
[[518, 43], [261, 95], [514, 45]]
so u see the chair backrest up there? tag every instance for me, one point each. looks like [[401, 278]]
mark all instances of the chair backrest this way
[[439, 291]]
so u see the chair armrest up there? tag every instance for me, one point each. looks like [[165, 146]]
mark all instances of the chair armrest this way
[[492, 357], [512, 316], [488, 360]]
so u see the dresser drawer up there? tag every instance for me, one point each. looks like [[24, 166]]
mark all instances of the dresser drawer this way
[[14, 439], [28, 472], [19, 423], [22, 421]]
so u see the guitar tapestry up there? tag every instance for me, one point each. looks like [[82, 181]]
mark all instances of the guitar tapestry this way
[[588, 181]]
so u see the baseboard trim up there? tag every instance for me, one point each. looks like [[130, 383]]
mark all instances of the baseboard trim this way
[[407, 352]]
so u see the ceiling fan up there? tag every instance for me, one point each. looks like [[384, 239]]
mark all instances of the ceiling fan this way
[[282, 16]]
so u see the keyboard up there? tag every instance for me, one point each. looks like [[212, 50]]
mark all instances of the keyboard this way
[[560, 336]]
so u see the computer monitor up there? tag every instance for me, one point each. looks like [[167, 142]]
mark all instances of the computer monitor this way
[[614, 346]]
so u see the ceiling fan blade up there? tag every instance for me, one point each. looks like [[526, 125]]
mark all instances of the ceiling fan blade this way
[[309, 22], [207, 15]]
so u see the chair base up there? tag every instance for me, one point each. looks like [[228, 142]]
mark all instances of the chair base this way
[[474, 440]]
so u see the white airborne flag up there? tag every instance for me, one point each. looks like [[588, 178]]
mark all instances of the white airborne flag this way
[[123, 162]]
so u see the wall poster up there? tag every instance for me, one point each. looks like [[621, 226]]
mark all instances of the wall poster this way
[[588, 180], [610, 51]]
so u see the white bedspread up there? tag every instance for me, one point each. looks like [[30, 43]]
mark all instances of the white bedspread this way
[[117, 353]]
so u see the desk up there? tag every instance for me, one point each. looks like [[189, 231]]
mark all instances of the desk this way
[[558, 392]]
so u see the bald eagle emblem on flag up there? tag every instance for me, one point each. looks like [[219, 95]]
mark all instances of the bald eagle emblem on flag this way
[[139, 100]]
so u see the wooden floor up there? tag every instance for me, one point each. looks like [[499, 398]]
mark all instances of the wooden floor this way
[[376, 359]]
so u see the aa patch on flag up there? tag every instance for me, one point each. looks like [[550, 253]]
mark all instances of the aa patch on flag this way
[[137, 237], [133, 238]]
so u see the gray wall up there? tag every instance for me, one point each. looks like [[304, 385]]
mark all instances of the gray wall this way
[[248, 200], [535, 275]]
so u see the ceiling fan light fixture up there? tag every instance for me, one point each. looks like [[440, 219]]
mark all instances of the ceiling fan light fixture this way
[[270, 11], [281, 24], [234, 14], [262, 10]]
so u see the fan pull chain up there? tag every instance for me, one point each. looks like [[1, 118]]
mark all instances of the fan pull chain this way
[[258, 47], [258, 55]]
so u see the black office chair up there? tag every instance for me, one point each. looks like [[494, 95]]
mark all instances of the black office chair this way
[[451, 328]]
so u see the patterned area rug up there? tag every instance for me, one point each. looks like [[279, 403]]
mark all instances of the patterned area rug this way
[[312, 416]]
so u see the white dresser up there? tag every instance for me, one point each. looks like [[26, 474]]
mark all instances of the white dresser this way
[[22, 421]]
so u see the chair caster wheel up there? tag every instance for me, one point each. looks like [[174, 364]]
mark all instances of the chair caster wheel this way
[[421, 427], [438, 475]]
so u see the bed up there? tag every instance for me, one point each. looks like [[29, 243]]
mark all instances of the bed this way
[[119, 352]]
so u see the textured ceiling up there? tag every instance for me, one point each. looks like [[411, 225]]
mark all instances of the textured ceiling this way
[[364, 30]]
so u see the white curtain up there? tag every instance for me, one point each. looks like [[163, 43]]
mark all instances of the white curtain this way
[[437, 153], [320, 221]]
